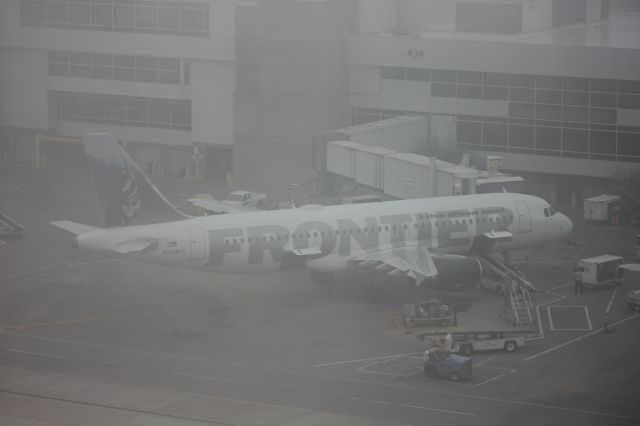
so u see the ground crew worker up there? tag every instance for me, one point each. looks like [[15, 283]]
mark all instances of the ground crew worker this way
[[448, 342], [578, 287]]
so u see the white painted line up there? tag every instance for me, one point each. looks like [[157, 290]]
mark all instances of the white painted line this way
[[615, 290], [6, 189], [364, 369], [485, 361], [557, 299], [35, 353], [586, 313], [90, 262], [418, 407], [387, 357], [577, 339], [203, 377], [489, 380], [325, 377]]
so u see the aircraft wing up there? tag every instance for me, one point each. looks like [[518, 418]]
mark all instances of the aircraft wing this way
[[635, 267], [219, 207], [414, 262]]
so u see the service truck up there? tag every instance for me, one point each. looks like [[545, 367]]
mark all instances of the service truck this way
[[598, 209], [601, 270], [246, 199]]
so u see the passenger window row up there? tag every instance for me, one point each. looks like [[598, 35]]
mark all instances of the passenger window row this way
[[366, 230]]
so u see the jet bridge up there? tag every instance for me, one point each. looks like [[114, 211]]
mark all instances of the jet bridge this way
[[515, 287]]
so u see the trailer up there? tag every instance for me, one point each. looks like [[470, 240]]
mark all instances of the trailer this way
[[427, 311], [468, 342]]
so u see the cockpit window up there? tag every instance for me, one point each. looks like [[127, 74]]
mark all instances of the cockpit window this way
[[546, 212]]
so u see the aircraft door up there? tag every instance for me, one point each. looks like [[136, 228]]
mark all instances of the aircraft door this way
[[197, 249], [524, 217]]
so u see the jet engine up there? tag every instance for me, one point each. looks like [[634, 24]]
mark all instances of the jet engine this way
[[457, 272]]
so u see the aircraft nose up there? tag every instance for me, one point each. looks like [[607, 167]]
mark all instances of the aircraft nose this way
[[566, 226]]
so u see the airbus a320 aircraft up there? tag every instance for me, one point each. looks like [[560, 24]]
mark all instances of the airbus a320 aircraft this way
[[419, 238]]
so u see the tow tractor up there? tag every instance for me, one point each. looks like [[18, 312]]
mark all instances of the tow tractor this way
[[468, 342], [427, 311], [438, 364]]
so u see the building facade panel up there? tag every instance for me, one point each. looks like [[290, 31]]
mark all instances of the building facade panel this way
[[23, 88]]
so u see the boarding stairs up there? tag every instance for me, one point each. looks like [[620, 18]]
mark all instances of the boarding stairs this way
[[516, 289]]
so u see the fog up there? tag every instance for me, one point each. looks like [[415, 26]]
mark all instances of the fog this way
[[455, 176]]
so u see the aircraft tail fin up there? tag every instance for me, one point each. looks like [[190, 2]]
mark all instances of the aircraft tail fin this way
[[125, 194]]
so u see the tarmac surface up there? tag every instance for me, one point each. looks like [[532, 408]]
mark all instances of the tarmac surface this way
[[91, 340]]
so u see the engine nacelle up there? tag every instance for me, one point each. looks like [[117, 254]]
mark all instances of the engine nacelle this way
[[457, 272]]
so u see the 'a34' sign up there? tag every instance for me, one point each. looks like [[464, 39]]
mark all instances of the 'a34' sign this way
[[415, 53]]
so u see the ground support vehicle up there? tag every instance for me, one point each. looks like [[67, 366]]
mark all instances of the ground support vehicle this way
[[598, 209], [427, 311], [601, 270], [633, 300], [246, 199], [468, 342], [438, 364]]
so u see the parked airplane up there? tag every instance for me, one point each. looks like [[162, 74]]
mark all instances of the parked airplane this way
[[416, 238]]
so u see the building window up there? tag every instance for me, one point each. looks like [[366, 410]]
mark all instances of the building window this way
[[629, 146], [494, 136], [123, 110], [148, 69], [131, 16], [567, 12], [548, 140], [443, 90], [521, 139], [469, 133], [575, 143]]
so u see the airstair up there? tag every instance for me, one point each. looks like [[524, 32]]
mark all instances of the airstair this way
[[516, 289]]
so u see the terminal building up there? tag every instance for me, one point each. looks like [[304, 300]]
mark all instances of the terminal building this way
[[552, 86], [160, 75]]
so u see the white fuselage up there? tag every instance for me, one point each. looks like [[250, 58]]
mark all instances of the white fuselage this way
[[328, 237]]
